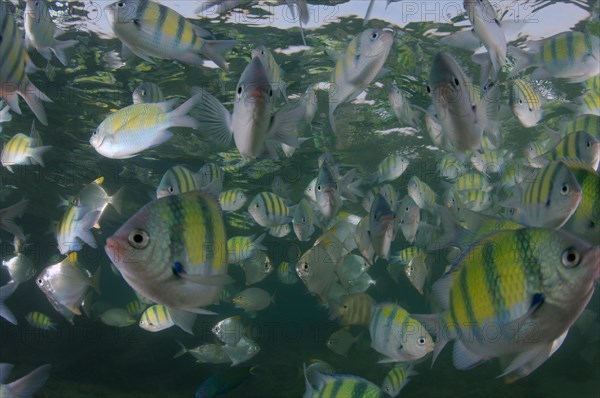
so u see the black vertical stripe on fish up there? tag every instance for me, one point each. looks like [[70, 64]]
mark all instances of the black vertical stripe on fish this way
[[464, 287], [162, 17], [492, 279], [179, 33]]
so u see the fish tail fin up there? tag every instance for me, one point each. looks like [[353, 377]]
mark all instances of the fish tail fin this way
[[182, 351], [331, 117], [258, 242], [36, 154], [34, 98], [5, 115], [180, 116], [8, 215], [116, 201], [522, 58], [95, 282], [59, 47], [184, 319], [351, 189], [214, 50], [12, 100], [27, 385], [5, 292], [84, 227]]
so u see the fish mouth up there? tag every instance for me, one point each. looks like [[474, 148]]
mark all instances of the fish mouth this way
[[113, 250]]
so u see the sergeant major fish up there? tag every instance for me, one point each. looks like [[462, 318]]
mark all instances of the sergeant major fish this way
[[514, 282], [358, 66], [181, 242], [152, 30], [13, 62]]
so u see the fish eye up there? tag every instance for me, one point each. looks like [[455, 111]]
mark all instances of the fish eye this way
[[564, 190], [267, 265], [143, 92], [456, 82], [345, 306], [520, 101], [170, 189], [588, 144], [374, 35], [571, 258], [421, 341], [40, 281], [270, 92], [138, 238], [120, 4], [95, 133], [319, 188], [257, 205], [239, 90], [303, 220], [428, 90], [306, 266]]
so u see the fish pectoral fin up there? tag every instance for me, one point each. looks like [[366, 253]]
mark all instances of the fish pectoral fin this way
[[285, 124], [387, 360], [214, 118], [127, 53]]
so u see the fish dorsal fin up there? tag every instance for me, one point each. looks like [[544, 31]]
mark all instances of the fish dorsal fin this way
[[72, 258]]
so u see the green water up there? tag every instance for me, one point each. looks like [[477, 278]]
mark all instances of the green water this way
[[90, 359]]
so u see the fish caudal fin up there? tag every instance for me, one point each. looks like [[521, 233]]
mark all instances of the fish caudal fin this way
[[34, 98], [5, 292], [36, 154], [214, 50], [179, 116], [27, 385], [116, 201], [59, 47], [5, 115], [522, 58], [184, 319], [8, 215]]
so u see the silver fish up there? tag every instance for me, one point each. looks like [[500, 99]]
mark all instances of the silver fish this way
[[358, 66]]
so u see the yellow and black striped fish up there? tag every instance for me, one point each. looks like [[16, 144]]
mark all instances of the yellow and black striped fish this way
[[509, 285], [548, 200], [340, 386], [578, 146], [152, 30], [526, 103], [174, 251], [569, 55], [40, 321], [585, 222], [156, 318], [269, 210], [13, 62], [178, 179]]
